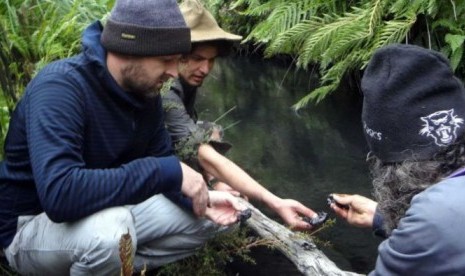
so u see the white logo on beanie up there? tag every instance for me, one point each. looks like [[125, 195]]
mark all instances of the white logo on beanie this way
[[441, 126], [372, 133]]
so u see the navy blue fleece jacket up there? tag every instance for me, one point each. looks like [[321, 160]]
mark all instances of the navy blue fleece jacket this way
[[78, 144]]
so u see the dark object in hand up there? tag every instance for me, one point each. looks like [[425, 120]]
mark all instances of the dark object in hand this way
[[244, 215], [317, 220], [331, 200]]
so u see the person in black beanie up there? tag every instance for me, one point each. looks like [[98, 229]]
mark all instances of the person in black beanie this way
[[88, 158], [413, 119]]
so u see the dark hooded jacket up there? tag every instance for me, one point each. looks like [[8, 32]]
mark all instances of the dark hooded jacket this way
[[78, 143]]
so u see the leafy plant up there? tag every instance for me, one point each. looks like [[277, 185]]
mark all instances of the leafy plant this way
[[34, 33], [341, 36], [212, 258]]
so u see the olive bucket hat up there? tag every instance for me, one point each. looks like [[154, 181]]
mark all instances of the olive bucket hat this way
[[202, 23]]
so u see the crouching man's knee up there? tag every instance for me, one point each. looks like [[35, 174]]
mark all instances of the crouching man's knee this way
[[102, 235]]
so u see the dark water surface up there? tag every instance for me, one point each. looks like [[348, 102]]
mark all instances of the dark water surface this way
[[303, 156]]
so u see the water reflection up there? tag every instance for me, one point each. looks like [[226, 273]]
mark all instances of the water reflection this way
[[303, 156]]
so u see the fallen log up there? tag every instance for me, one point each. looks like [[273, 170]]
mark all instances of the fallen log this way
[[308, 259]]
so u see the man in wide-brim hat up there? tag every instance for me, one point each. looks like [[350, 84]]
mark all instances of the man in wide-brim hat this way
[[200, 143]]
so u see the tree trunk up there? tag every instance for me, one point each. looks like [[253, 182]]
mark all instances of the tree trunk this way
[[302, 252]]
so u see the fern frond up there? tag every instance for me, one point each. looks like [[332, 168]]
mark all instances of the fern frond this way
[[405, 6], [315, 96], [282, 18], [349, 39], [432, 8], [252, 4], [455, 41], [256, 9], [375, 13], [318, 43], [331, 78], [456, 58], [448, 24], [393, 31], [399, 6], [292, 40]]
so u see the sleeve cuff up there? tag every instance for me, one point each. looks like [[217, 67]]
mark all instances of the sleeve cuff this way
[[378, 225], [171, 178]]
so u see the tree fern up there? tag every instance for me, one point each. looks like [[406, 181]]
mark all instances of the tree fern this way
[[316, 45], [283, 17], [338, 35], [39, 31], [35, 32], [291, 41], [375, 12], [252, 4], [392, 31]]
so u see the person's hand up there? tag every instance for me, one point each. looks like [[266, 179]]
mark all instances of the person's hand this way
[[194, 187], [224, 208], [221, 186], [292, 211], [360, 211]]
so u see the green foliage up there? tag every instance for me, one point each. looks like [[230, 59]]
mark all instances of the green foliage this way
[[230, 19], [341, 36], [212, 258], [4, 121], [34, 33]]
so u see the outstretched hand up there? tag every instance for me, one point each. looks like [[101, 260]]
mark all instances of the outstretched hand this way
[[224, 208], [292, 212], [360, 211]]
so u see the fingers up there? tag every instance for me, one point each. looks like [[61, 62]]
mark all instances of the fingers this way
[[343, 199], [221, 218], [225, 208], [235, 193], [303, 210], [341, 212], [225, 198], [301, 225]]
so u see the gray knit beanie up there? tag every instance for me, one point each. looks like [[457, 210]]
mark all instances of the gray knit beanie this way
[[413, 105], [146, 28]]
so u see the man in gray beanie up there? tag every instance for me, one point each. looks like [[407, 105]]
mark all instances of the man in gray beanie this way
[[88, 158], [413, 119]]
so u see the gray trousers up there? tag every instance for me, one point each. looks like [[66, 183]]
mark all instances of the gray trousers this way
[[161, 232]]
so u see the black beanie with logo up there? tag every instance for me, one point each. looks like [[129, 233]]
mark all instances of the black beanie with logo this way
[[146, 28], [413, 105]]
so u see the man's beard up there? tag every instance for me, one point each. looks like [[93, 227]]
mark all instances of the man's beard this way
[[141, 91], [396, 184], [135, 81]]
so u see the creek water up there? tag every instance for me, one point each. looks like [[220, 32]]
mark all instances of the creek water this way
[[303, 156]]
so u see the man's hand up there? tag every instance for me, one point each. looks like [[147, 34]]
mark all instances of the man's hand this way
[[361, 210], [292, 211], [194, 187], [224, 208]]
